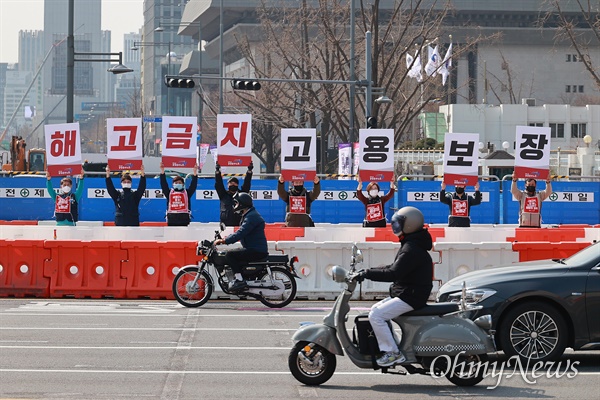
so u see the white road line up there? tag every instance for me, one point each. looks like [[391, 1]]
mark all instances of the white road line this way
[[134, 313], [144, 348], [31, 328]]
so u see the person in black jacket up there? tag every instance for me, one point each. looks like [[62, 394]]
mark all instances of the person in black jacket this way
[[127, 202], [251, 235], [411, 275], [227, 216], [460, 205], [179, 207]]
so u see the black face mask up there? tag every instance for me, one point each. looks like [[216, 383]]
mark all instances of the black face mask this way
[[298, 188], [233, 188], [460, 190], [530, 189]]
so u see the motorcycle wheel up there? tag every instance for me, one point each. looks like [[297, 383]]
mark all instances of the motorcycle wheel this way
[[313, 367], [190, 296], [466, 370], [288, 280]]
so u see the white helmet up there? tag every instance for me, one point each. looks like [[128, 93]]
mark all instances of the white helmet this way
[[407, 220]]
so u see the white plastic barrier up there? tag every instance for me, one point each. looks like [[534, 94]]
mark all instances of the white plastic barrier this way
[[484, 233], [592, 235], [459, 258]]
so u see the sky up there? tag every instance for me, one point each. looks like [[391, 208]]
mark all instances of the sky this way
[[118, 16]]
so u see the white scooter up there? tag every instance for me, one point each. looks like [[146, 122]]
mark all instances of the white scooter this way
[[437, 340]]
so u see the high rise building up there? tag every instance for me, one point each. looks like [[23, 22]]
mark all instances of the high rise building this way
[[127, 89], [3, 69], [31, 50], [16, 86]]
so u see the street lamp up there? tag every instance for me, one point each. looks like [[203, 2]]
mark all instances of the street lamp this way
[[137, 45], [71, 59]]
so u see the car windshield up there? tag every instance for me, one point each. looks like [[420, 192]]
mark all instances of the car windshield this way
[[586, 255]]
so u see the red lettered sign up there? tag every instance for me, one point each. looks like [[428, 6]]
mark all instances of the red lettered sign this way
[[124, 143], [179, 141], [63, 149]]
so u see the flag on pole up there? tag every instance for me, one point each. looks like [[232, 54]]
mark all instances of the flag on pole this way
[[433, 62], [444, 70], [414, 69]]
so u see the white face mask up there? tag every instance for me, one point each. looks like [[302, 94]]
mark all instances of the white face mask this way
[[373, 192], [66, 189], [126, 185]]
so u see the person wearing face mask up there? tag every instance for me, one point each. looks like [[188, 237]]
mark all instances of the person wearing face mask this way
[[127, 201], [66, 203], [374, 204], [227, 216], [178, 198], [530, 201], [298, 201], [460, 204]]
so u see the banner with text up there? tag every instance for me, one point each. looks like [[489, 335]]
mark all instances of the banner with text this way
[[376, 147], [234, 139], [461, 159], [532, 152], [179, 142], [63, 149], [124, 143], [298, 154], [344, 160]]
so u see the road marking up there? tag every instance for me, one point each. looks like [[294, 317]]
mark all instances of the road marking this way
[[30, 328], [144, 348]]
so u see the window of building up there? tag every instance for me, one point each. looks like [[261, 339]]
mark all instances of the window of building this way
[[568, 58], [580, 88], [568, 88], [578, 130], [539, 124], [574, 57], [574, 89], [557, 130]]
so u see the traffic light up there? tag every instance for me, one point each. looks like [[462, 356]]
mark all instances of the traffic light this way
[[245, 84], [371, 123], [179, 82]]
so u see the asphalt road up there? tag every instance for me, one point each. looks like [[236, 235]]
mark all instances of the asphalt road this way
[[120, 349]]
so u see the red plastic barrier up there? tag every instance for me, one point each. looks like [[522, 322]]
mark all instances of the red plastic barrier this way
[[151, 266], [554, 235], [531, 251], [18, 222], [386, 234], [22, 268], [279, 232], [85, 269], [153, 223]]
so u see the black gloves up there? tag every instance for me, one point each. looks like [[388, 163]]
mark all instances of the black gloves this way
[[217, 167], [251, 166], [360, 275]]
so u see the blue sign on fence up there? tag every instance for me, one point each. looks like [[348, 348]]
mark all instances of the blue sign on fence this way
[[152, 119]]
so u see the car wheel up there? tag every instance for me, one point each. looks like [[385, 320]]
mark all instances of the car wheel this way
[[533, 331]]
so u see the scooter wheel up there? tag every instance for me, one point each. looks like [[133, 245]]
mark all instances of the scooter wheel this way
[[311, 364], [467, 370]]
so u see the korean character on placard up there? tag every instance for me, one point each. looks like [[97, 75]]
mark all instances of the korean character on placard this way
[[434, 196], [241, 127], [178, 139], [458, 152], [532, 146], [63, 143], [568, 196], [376, 149], [419, 196], [300, 152], [126, 140], [582, 196], [328, 195], [267, 194]]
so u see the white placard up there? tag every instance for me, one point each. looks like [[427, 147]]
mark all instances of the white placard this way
[[376, 148], [532, 152], [461, 158], [179, 141], [298, 154], [234, 139]]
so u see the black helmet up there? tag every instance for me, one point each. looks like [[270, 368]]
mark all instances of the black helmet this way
[[407, 220], [241, 201]]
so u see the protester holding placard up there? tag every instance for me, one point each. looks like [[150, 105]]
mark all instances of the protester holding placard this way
[[127, 201], [530, 201], [227, 215], [298, 201], [66, 203], [179, 209], [374, 204], [460, 204]]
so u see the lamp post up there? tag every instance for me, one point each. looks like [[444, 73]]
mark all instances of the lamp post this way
[[71, 59], [137, 45]]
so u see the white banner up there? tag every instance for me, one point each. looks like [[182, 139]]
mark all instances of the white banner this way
[[203, 153], [532, 152], [124, 143], [179, 141], [376, 147], [63, 149], [298, 154], [234, 139], [344, 160], [461, 158]]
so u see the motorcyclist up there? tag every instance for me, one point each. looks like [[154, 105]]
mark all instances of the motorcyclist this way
[[251, 235], [411, 275], [227, 215]]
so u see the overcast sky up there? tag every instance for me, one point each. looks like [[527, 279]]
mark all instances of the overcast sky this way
[[118, 16]]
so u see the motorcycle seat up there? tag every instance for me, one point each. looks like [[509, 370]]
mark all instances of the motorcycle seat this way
[[433, 309], [271, 259]]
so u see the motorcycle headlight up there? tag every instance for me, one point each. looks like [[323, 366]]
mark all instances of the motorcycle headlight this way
[[472, 296]]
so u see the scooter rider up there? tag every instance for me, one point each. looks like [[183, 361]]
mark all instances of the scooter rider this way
[[251, 235], [411, 275]]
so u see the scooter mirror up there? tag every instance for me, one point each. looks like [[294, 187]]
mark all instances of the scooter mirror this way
[[339, 274], [222, 226]]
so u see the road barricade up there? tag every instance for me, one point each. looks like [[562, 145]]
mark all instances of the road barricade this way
[[151, 266], [531, 251], [22, 268], [85, 269]]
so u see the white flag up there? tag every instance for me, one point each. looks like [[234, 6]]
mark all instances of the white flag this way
[[414, 69], [444, 70], [433, 62]]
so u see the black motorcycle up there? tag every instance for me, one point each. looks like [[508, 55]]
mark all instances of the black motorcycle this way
[[272, 281]]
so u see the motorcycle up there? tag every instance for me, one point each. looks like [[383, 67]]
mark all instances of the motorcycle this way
[[436, 340], [272, 281]]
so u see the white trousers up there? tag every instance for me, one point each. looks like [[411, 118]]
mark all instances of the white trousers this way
[[380, 314]]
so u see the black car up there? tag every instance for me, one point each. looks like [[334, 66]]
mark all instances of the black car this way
[[538, 308]]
